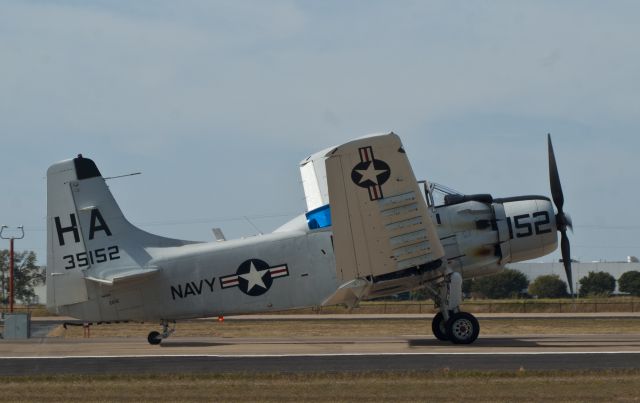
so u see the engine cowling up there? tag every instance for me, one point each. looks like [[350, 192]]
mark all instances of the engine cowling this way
[[481, 234], [529, 227]]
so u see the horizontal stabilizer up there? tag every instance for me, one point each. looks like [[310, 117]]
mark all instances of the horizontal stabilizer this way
[[123, 275], [218, 234]]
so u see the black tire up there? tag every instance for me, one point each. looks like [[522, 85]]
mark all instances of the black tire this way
[[154, 338], [438, 327], [462, 328]]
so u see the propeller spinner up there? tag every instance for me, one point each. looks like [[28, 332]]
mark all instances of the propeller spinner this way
[[563, 220]]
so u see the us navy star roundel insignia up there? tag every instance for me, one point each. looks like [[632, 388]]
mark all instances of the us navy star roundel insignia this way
[[370, 173], [254, 277]]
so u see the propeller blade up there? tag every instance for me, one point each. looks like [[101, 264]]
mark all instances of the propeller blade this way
[[554, 178], [565, 247], [563, 221], [569, 221]]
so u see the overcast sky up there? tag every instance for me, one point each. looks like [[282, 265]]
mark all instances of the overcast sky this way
[[216, 102]]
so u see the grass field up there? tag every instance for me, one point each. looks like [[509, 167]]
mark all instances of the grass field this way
[[443, 385]]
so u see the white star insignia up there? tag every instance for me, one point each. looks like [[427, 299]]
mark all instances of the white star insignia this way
[[371, 174], [254, 277]]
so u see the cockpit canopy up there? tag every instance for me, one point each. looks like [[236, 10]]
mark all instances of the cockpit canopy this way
[[436, 193], [440, 195]]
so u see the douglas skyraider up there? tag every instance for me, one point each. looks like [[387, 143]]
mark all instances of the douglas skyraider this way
[[370, 230]]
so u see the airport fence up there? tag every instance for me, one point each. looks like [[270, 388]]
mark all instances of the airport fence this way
[[614, 304], [493, 306], [34, 310]]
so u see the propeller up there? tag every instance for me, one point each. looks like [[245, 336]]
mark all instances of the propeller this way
[[563, 220]]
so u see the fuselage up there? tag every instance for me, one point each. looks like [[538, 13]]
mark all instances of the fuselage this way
[[257, 274], [296, 267]]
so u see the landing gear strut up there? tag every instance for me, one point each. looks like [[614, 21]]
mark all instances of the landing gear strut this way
[[450, 323], [155, 338]]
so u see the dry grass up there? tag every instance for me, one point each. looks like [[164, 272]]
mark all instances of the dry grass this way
[[561, 326], [357, 328], [442, 385], [34, 310], [610, 304]]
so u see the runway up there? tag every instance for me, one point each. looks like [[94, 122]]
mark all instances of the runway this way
[[313, 354]]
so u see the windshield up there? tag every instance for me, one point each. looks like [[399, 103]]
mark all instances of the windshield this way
[[436, 193]]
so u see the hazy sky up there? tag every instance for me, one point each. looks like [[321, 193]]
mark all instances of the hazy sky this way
[[216, 102]]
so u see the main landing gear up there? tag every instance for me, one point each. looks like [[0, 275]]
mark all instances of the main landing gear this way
[[461, 328], [156, 337], [451, 324]]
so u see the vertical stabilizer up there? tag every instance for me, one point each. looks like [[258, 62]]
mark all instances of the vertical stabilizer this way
[[88, 237]]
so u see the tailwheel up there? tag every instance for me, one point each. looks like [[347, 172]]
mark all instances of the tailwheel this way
[[438, 327], [154, 338], [462, 328]]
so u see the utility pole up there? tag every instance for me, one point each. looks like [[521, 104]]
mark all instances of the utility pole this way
[[11, 238]]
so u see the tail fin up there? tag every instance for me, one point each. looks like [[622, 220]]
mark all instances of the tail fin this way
[[381, 225], [88, 237]]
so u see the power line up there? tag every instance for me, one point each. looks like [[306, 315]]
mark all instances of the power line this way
[[213, 220], [206, 220], [609, 227]]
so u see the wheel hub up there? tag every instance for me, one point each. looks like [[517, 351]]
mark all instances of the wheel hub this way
[[462, 328]]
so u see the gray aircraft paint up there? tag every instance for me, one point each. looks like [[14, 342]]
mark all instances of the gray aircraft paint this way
[[192, 268], [389, 238], [153, 278]]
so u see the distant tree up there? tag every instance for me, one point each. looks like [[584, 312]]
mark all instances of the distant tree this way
[[506, 284], [548, 286], [630, 282], [597, 283], [27, 275]]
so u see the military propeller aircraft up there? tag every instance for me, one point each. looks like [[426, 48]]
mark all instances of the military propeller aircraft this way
[[371, 230]]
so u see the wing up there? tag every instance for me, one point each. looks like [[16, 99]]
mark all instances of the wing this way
[[381, 227]]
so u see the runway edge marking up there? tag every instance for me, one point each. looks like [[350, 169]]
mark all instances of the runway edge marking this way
[[320, 355]]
